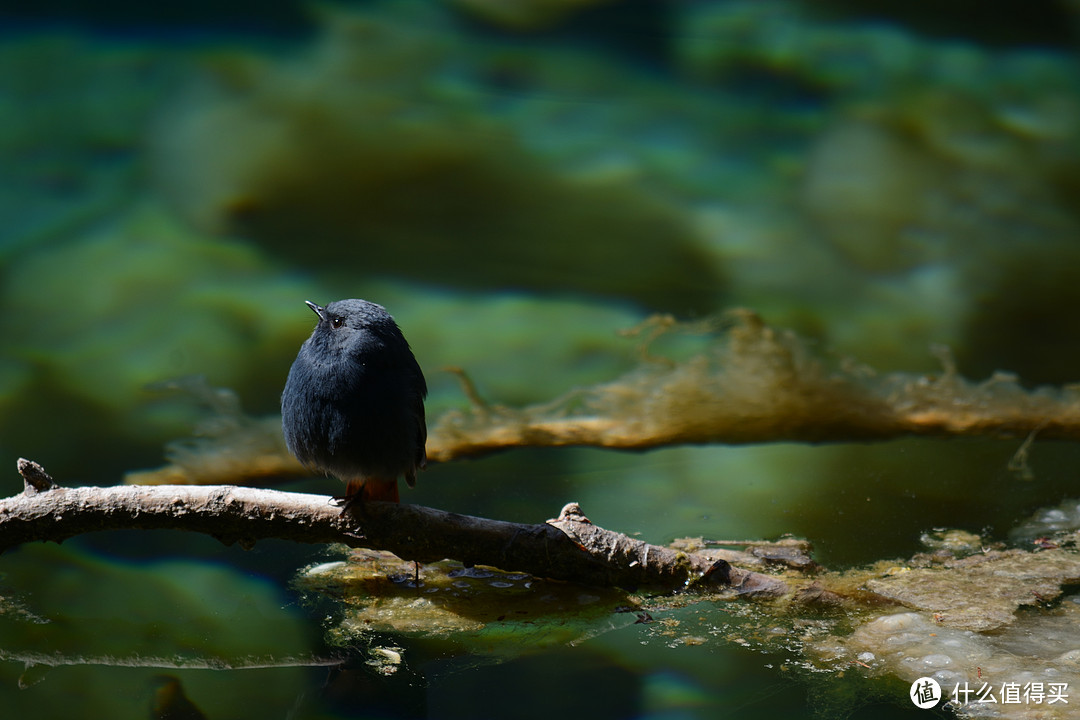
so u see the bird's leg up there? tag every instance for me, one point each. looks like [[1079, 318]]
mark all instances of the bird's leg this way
[[359, 490], [352, 503]]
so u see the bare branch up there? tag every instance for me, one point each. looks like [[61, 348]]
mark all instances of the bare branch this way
[[568, 548]]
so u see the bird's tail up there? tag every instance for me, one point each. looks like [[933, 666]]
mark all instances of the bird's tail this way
[[373, 488]]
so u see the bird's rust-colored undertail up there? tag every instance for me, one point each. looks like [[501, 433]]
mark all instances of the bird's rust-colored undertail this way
[[372, 488]]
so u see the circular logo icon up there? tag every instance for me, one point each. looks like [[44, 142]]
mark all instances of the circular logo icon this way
[[925, 693]]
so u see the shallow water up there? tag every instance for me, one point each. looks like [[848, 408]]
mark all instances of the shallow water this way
[[173, 188]]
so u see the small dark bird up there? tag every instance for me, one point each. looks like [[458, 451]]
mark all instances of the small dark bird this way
[[353, 405]]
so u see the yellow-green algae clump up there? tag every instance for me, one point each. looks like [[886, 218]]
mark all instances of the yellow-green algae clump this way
[[91, 322], [493, 611], [962, 612]]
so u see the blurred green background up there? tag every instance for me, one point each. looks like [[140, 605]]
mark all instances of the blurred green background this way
[[516, 182]]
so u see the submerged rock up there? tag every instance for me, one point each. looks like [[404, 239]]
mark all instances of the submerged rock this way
[[359, 156]]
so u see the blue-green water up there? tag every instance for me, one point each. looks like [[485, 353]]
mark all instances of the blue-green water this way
[[515, 191]]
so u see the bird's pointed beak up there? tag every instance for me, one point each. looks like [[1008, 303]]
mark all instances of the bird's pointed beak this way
[[317, 309]]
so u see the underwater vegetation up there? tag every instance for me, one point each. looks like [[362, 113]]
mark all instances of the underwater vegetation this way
[[90, 612], [891, 192], [748, 383], [877, 199], [936, 615], [353, 153]]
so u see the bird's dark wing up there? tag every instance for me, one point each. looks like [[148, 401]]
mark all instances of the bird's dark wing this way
[[421, 425]]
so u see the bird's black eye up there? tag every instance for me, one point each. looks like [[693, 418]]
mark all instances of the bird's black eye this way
[[337, 321]]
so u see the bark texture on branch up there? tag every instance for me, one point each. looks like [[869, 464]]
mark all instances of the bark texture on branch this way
[[567, 548]]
